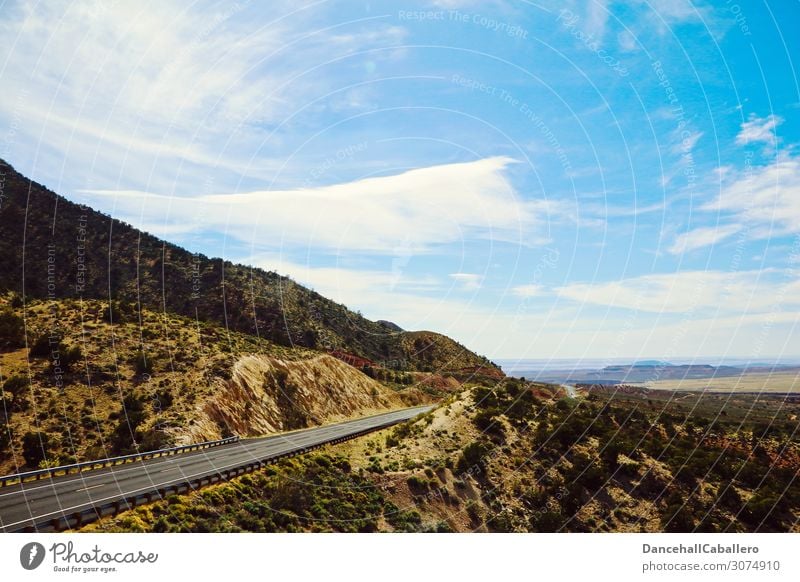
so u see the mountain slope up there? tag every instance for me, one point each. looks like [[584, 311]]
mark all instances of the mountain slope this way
[[158, 380], [53, 248]]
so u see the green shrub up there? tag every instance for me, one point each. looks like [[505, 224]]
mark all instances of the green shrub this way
[[728, 497], [16, 385], [41, 347], [143, 364], [5, 434], [677, 518], [12, 330], [488, 422], [34, 447], [761, 507], [417, 484], [131, 416], [472, 457], [547, 521], [68, 357]]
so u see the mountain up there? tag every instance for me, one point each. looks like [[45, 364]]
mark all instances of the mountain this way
[[51, 248], [639, 372], [642, 373]]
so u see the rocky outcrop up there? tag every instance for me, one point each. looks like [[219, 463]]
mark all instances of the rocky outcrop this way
[[267, 395]]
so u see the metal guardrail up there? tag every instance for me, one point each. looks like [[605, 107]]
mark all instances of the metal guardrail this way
[[80, 518], [110, 462]]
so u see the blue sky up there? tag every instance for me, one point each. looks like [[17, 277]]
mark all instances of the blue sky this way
[[537, 180]]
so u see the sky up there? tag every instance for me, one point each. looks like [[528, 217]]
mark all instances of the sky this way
[[537, 180]]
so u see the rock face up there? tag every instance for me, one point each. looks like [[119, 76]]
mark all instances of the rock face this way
[[268, 395]]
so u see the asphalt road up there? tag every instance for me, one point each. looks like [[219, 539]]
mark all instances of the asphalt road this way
[[36, 503]]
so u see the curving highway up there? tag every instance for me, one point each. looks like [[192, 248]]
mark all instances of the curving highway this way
[[71, 500]]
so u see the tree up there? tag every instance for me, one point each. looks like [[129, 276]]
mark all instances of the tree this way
[[34, 447]]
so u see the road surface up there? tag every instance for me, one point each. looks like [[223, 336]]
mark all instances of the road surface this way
[[62, 501]]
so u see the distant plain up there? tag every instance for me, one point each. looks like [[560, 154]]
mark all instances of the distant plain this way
[[780, 381]]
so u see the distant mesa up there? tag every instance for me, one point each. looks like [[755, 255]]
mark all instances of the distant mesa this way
[[651, 364]]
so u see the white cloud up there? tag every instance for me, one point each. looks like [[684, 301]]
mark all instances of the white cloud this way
[[468, 281], [760, 202], [155, 63], [759, 129], [526, 290], [627, 41], [664, 13], [597, 17], [412, 302], [685, 142], [412, 211], [702, 237], [737, 292], [346, 285], [766, 199]]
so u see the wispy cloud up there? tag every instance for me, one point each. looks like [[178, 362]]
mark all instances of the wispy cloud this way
[[158, 94], [526, 291], [736, 292], [759, 129], [597, 17], [702, 237], [468, 281], [685, 141], [759, 202], [413, 211], [765, 199], [344, 284]]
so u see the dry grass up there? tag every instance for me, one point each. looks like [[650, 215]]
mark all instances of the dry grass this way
[[758, 382]]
